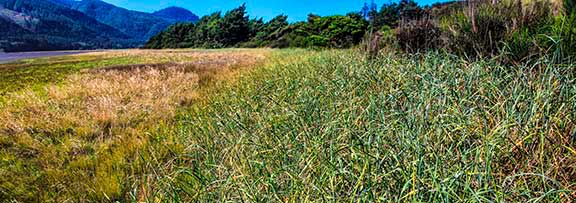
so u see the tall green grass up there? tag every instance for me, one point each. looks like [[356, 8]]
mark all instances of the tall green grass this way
[[334, 127]]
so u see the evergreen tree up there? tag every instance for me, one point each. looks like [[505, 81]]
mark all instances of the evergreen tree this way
[[235, 26], [235, 29]]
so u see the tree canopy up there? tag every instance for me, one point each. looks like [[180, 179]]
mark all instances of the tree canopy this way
[[236, 29]]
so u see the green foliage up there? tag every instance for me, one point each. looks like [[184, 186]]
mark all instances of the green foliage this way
[[207, 32], [330, 31], [211, 31], [236, 29], [316, 41], [520, 46], [511, 30], [176, 35], [336, 31], [410, 10], [389, 15], [561, 39], [335, 127], [271, 33]]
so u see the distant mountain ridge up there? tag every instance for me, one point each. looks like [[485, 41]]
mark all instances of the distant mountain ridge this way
[[28, 25], [139, 25], [177, 14], [43, 25]]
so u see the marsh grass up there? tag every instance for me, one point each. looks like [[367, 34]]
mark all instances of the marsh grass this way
[[36, 73], [76, 139], [334, 127], [306, 126]]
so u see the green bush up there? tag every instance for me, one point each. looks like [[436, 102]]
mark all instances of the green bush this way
[[388, 39], [541, 34], [510, 30], [317, 41]]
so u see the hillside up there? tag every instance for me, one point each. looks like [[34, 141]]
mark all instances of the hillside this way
[[139, 25], [29, 25], [176, 14], [7, 27], [51, 26]]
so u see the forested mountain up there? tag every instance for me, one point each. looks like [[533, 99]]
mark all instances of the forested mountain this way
[[41, 25], [176, 14], [138, 25], [7, 27], [28, 25]]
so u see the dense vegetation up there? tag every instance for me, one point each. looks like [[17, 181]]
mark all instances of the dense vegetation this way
[[454, 102], [236, 29], [336, 127], [316, 126], [514, 31]]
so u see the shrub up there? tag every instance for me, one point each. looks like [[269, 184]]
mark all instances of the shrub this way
[[510, 28], [491, 30], [541, 34], [526, 25], [418, 36], [316, 41]]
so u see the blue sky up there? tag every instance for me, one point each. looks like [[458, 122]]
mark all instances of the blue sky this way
[[296, 10]]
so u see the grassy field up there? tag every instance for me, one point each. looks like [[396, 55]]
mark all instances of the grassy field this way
[[285, 126]]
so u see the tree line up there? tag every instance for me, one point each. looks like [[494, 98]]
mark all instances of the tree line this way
[[236, 29], [513, 31]]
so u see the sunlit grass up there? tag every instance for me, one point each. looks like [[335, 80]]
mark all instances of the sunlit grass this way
[[76, 137], [293, 126], [335, 127]]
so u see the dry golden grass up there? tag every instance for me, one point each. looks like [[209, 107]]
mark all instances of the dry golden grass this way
[[98, 99], [99, 102], [79, 133]]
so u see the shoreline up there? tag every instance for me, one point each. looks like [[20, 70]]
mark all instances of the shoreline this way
[[6, 57]]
